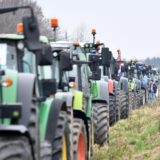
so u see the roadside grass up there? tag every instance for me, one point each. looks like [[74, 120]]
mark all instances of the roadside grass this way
[[136, 138]]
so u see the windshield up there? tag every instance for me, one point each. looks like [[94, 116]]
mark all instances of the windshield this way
[[61, 77], [29, 66], [55, 69], [28, 62], [8, 56]]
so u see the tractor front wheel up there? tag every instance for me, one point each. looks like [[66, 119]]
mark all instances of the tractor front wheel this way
[[101, 123], [79, 140], [60, 148], [112, 110], [124, 106], [15, 148]]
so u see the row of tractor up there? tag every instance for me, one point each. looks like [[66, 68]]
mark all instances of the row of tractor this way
[[59, 98]]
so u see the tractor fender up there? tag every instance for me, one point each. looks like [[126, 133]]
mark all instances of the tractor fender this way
[[78, 101], [124, 84], [13, 129], [116, 87], [25, 87], [111, 86], [105, 78], [53, 116], [102, 92], [66, 96]]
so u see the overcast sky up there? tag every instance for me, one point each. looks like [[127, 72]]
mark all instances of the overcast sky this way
[[131, 25]]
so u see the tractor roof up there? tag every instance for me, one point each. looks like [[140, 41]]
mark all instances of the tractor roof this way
[[61, 44], [64, 45], [17, 37]]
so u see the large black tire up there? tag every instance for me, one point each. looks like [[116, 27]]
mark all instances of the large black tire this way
[[54, 150], [136, 100], [139, 97], [91, 139], [123, 105], [33, 128], [118, 105], [127, 106], [46, 150], [61, 132], [79, 139], [112, 110], [130, 101], [15, 148], [133, 101], [101, 123], [70, 124]]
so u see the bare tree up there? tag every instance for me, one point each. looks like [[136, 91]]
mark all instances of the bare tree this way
[[9, 21], [81, 33]]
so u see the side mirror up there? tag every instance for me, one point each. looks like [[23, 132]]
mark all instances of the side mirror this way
[[96, 75], [31, 33], [106, 57], [45, 56], [72, 79], [94, 66], [65, 61], [49, 87]]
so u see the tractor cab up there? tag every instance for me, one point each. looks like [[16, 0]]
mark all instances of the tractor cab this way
[[29, 108], [74, 73]]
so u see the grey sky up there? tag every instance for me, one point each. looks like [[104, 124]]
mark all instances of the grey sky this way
[[132, 25]]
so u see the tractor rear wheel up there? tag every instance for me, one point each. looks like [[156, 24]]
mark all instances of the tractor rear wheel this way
[[133, 101], [15, 148], [124, 106], [80, 149], [70, 124], [112, 110], [136, 100], [139, 96], [33, 128], [130, 101], [46, 151], [101, 123], [118, 105], [60, 148], [61, 145]]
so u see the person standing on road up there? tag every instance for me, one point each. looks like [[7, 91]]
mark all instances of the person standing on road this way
[[154, 90]]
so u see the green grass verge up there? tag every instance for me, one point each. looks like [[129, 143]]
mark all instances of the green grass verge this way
[[137, 138]]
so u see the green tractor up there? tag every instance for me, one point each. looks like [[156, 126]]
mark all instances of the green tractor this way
[[100, 100], [33, 119], [135, 92], [76, 79], [117, 107], [135, 86], [121, 88], [142, 76]]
